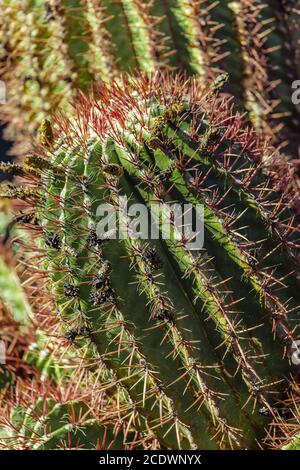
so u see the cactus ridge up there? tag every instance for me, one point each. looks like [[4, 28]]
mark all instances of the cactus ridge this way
[[223, 318]]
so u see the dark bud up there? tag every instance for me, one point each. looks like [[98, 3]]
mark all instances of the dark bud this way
[[70, 290], [252, 262], [99, 282], [68, 79], [26, 78], [113, 169], [103, 275], [49, 16], [219, 82]]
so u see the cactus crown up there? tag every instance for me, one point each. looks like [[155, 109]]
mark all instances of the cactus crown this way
[[196, 344]]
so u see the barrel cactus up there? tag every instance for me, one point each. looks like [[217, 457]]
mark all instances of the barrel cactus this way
[[196, 342]]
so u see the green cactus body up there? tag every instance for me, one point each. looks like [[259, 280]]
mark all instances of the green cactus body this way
[[197, 344], [12, 293]]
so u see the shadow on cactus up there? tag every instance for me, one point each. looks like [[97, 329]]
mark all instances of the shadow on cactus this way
[[50, 48], [198, 344]]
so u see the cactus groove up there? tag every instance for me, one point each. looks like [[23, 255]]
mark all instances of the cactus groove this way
[[50, 48]]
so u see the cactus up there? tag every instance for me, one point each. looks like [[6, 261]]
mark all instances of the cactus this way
[[15, 314], [59, 420], [34, 367], [48, 424], [51, 48], [286, 432], [224, 318], [12, 294]]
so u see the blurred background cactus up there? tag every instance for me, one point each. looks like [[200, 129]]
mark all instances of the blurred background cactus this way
[[49, 48], [228, 380]]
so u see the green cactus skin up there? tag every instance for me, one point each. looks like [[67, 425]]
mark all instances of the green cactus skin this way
[[51, 48], [49, 424], [15, 313], [197, 344]]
